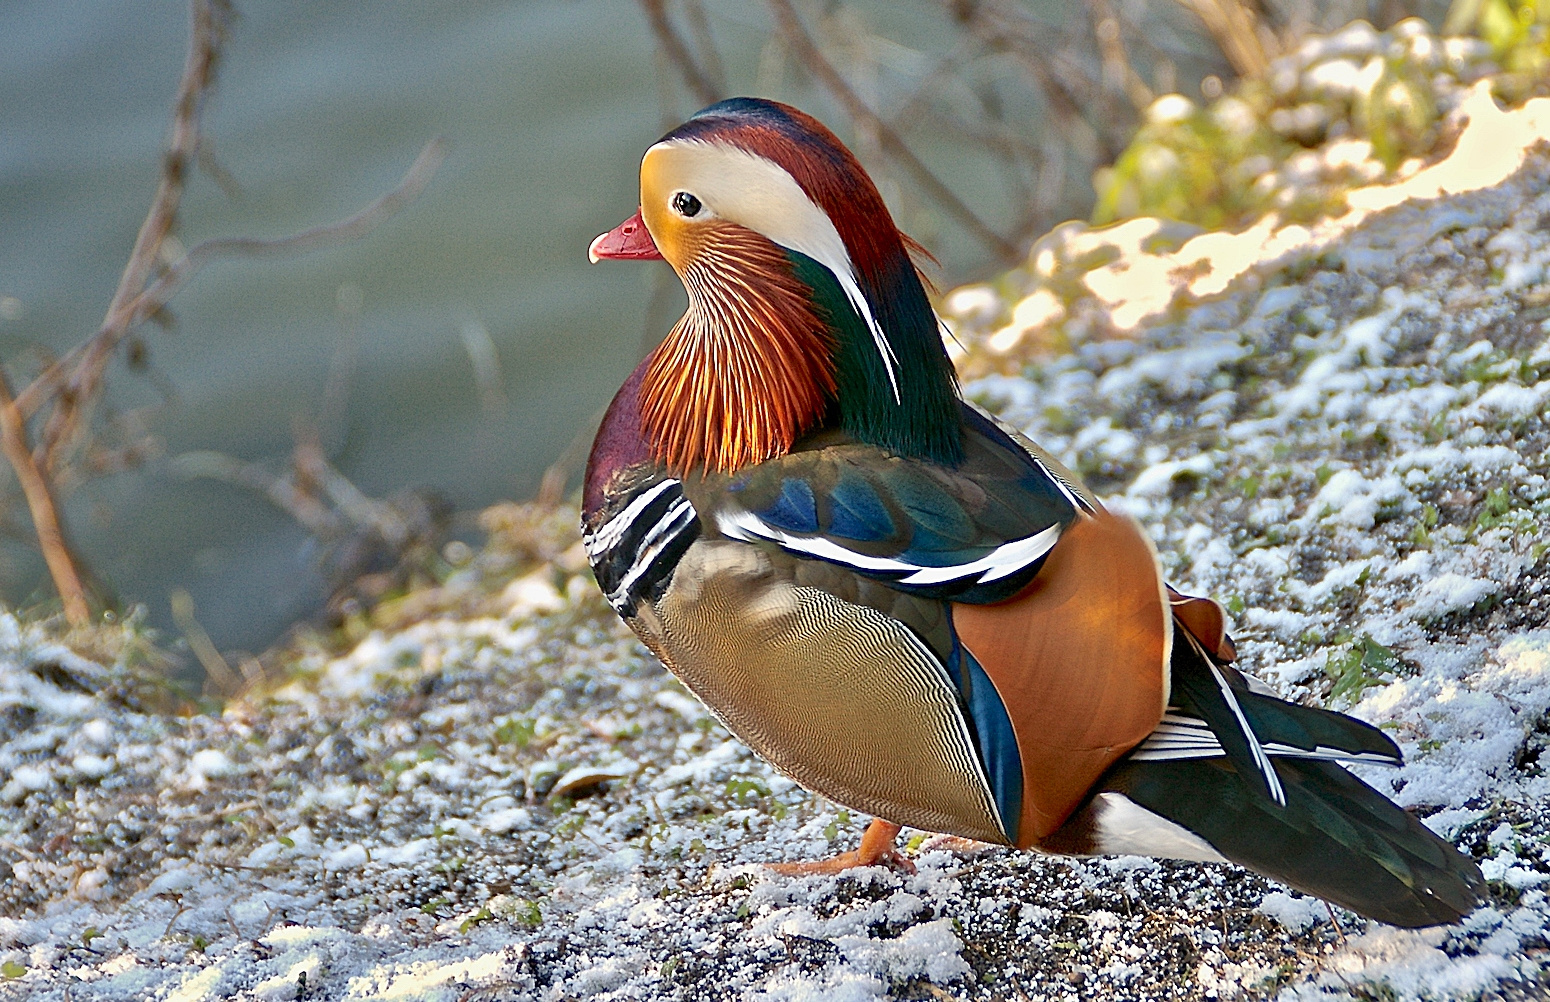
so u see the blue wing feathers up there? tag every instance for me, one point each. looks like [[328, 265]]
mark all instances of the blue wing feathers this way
[[906, 522], [795, 508], [856, 512], [993, 735], [939, 519]]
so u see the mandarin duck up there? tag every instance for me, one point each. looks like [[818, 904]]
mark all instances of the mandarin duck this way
[[910, 609]]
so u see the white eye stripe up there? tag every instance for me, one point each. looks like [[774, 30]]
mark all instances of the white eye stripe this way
[[758, 193]]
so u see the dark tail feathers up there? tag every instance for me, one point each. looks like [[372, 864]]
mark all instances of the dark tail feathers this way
[[1337, 837], [1334, 836]]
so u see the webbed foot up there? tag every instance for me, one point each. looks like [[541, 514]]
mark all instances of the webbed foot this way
[[876, 849]]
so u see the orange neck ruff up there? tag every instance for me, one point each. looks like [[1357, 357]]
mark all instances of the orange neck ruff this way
[[747, 370]]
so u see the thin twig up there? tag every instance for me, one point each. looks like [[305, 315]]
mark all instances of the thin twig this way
[[281, 490], [963, 50], [677, 52], [215, 665], [802, 45], [551, 489], [1335, 921], [178, 899], [179, 272], [206, 32], [72, 393], [710, 58], [34, 467], [328, 235], [1118, 71], [1235, 27], [361, 510], [1011, 30]]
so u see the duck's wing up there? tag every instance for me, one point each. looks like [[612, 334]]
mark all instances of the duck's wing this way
[[1060, 626], [976, 533]]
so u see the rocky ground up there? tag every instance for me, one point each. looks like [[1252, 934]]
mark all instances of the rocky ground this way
[[504, 797]]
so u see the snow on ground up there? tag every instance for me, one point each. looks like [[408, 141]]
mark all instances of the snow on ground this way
[[1348, 448]]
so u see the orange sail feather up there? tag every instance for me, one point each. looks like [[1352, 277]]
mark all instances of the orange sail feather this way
[[1080, 658]]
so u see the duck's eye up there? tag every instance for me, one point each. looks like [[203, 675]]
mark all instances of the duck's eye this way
[[686, 204]]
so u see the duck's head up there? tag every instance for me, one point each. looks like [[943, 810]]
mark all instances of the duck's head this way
[[805, 309]]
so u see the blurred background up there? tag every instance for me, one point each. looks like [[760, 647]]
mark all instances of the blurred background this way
[[465, 346]]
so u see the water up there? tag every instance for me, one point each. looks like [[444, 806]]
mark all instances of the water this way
[[321, 106]]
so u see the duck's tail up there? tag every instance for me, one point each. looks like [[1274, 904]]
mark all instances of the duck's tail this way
[[1258, 780]]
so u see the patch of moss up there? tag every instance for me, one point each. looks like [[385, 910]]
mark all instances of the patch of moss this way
[[1341, 111], [1366, 663]]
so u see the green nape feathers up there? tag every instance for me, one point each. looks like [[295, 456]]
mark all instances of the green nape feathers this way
[[923, 422]]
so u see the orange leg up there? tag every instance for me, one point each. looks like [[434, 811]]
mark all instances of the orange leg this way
[[876, 849]]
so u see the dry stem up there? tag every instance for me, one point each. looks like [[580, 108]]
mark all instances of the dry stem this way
[[40, 502], [1235, 27], [697, 79], [805, 49], [180, 271], [79, 391]]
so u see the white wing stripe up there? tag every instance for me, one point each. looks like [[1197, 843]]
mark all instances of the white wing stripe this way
[[1147, 753], [1062, 486], [1261, 760], [671, 520], [1003, 561], [1180, 737]]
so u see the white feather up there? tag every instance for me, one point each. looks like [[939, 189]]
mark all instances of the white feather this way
[[1125, 828], [610, 532], [1181, 737], [1004, 560]]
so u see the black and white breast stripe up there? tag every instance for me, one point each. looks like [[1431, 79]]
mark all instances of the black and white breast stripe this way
[[1182, 736], [634, 552]]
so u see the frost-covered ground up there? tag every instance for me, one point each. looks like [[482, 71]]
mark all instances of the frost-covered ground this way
[[1349, 448]]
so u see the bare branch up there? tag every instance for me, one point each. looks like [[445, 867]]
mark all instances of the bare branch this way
[[40, 502], [1235, 27], [677, 52], [314, 468], [963, 50], [177, 275], [207, 30], [75, 396], [71, 387], [216, 666], [210, 166], [281, 490], [803, 46], [1011, 30], [1118, 72], [699, 24], [329, 235]]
